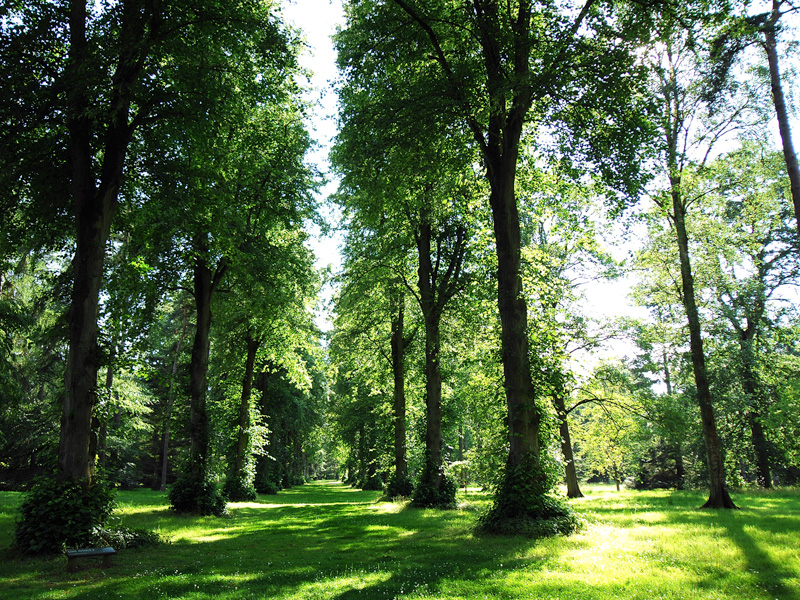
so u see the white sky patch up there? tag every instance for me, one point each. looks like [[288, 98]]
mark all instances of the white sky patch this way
[[318, 20]]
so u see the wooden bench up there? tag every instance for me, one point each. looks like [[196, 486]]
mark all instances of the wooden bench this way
[[74, 555]]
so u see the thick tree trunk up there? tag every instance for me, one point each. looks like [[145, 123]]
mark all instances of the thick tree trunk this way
[[573, 489], [398, 344], [523, 414], [789, 155], [94, 212], [718, 493], [243, 438], [95, 200]]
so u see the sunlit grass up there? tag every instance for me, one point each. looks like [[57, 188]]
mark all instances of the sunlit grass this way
[[329, 541]]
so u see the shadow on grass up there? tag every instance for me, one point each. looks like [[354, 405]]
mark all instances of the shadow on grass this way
[[329, 541], [765, 523], [770, 575], [328, 549]]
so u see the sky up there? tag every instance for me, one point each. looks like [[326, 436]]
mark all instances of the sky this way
[[318, 20]]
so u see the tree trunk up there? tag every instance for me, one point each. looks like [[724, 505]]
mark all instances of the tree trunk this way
[[789, 155], [243, 438], [433, 376], [751, 389], [573, 489], [203, 290], [398, 344], [170, 400], [523, 415], [95, 200], [718, 493]]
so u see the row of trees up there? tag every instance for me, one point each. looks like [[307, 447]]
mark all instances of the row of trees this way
[[154, 169], [154, 173], [482, 142]]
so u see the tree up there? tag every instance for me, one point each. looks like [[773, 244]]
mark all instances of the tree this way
[[103, 73], [750, 255], [737, 34], [491, 68], [680, 100]]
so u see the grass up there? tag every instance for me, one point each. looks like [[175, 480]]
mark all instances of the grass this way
[[325, 540]]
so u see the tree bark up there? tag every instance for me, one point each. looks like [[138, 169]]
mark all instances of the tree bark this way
[[433, 377], [523, 415], [205, 282], [752, 392], [243, 437], [718, 493], [95, 201], [573, 489], [789, 155], [399, 343]]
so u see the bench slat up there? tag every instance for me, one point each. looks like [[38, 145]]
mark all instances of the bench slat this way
[[91, 552]]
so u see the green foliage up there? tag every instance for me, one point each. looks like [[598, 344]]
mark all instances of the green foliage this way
[[265, 485], [434, 489], [196, 496], [57, 514], [127, 537], [239, 489], [522, 507], [398, 486]]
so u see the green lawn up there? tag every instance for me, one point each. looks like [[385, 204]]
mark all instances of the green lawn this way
[[325, 540]]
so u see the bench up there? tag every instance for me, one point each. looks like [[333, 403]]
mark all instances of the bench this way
[[74, 555]]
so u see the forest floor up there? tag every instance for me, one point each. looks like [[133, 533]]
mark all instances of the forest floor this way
[[326, 540]]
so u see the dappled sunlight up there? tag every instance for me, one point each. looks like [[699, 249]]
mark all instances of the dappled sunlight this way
[[389, 507], [635, 546]]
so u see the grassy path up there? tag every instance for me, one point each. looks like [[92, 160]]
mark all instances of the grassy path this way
[[326, 540]]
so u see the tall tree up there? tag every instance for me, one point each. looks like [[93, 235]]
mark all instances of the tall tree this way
[[490, 68], [751, 256], [680, 101], [762, 29], [103, 72]]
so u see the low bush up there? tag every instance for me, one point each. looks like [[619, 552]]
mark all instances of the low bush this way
[[398, 486], [58, 514], [196, 496]]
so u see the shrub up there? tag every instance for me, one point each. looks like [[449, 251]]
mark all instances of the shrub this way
[[398, 486], [522, 507], [58, 514], [427, 494], [372, 483], [125, 537], [238, 489], [264, 485], [198, 496]]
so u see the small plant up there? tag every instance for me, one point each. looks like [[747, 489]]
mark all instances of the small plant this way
[[197, 496], [126, 537], [57, 514]]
